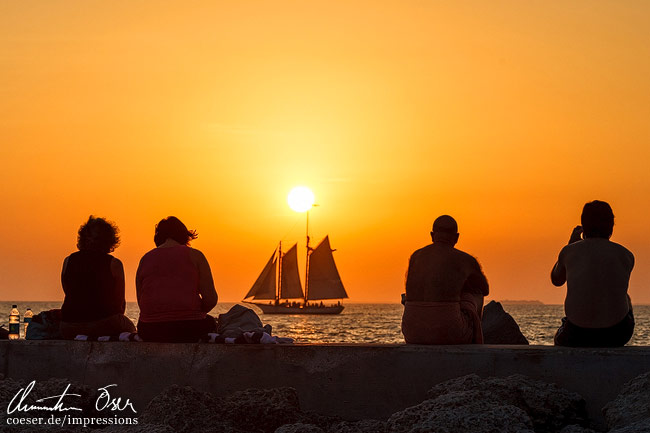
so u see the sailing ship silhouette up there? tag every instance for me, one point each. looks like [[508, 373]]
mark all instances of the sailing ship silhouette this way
[[279, 282]]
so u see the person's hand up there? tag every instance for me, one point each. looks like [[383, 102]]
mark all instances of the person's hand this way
[[576, 234]]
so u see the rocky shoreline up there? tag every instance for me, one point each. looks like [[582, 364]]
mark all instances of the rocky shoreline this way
[[465, 404]]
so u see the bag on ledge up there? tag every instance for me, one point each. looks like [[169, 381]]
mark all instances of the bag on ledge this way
[[238, 320], [45, 326]]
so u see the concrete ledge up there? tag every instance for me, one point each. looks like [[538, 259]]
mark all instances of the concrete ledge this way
[[353, 381]]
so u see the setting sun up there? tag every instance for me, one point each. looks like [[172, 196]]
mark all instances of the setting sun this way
[[300, 199]]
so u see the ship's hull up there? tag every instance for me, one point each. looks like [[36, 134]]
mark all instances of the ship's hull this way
[[300, 309]]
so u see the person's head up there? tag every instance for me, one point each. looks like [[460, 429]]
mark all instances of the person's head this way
[[172, 228], [597, 220], [98, 234], [445, 230]]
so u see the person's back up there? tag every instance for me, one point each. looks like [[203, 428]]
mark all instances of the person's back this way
[[444, 291], [169, 287], [89, 287], [440, 272], [597, 273]]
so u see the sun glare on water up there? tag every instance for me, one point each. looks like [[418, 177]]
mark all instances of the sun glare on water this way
[[300, 199]]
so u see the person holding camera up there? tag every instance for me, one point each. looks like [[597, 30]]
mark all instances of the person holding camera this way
[[597, 272]]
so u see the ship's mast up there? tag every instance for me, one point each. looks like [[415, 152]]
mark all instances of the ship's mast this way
[[279, 285], [307, 263]]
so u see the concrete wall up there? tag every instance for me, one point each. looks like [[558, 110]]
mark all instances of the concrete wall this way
[[354, 381]]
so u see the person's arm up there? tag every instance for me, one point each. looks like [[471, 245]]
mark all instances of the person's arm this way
[[631, 260], [408, 294], [576, 235], [117, 270], [138, 281], [477, 281], [208, 293], [63, 269], [558, 274]]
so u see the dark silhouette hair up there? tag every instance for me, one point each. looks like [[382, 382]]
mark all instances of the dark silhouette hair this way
[[445, 224], [98, 234], [597, 220], [172, 228], [445, 229]]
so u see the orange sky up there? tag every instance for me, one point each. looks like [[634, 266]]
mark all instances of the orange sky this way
[[508, 115]]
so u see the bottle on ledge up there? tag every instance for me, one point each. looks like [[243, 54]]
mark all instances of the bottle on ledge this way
[[14, 323], [27, 319]]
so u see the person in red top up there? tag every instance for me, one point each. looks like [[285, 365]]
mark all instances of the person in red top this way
[[174, 287]]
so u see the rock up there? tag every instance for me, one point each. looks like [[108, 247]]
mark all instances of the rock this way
[[262, 409], [185, 410], [299, 428], [253, 410], [631, 405], [549, 407], [642, 426], [461, 411], [140, 428], [499, 327], [365, 426], [8, 388], [55, 386], [576, 429], [177, 409], [85, 400], [48, 388], [41, 429], [325, 422]]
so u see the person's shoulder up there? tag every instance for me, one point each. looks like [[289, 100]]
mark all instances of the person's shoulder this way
[[576, 251], [116, 265], [149, 254], [465, 256], [194, 253], [572, 247], [617, 245], [422, 251], [621, 249], [67, 259], [86, 255]]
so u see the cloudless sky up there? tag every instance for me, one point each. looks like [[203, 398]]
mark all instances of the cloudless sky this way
[[508, 115]]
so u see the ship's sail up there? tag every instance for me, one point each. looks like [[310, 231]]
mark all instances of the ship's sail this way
[[324, 281], [264, 286], [291, 287]]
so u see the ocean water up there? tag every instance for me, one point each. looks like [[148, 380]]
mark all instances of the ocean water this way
[[379, 323]]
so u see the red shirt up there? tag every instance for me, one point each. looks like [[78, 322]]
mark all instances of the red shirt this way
[[170, 286]]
